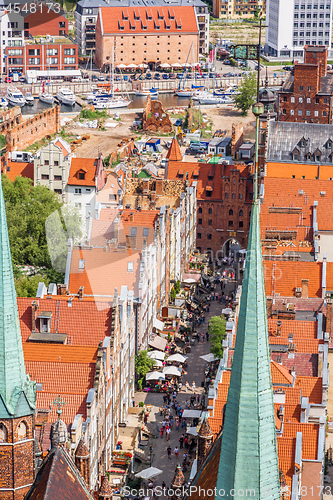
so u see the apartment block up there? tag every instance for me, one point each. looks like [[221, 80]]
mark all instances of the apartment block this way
[[85, 25], [236, 9]]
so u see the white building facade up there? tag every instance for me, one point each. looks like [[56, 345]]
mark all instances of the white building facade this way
[[292, 24]]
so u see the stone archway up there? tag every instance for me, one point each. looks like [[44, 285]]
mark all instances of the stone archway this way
[[231, 245]]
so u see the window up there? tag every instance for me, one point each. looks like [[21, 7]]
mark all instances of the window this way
[[77, 205], [292, 112], [57, 177], [34, 60], [292, 99], [56, 163], [317, 157], [241, 213], [230, 223], [240, 223], [88, 190], [145, 231], [133, 231], [317, 100], [308, 113], [284, 111], [69, 60], [324, 113], [130, 267], [81, 175], [233, 195], [199, 236], [209, 236], [45, 177], [3, 433], [301, 88], [77, 190], [300, 99], [22, 431], [210, 211], [325, 100], [300, 112], [231, 212], [285, 99], [200, 210], [52, 60], [295, 156], [240, 196], [200, 221], [210, 222], [226, 195], [308, 100], [50, 52]]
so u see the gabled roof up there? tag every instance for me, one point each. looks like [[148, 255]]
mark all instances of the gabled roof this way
[[19, 169], [58, 478], [280, 374], [63, 145], [123, 20], [283, 137], [85, 165], [174, 153]]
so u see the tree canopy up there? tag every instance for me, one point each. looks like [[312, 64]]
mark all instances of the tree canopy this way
[[247, 93], [143, 364], [28, 208], [216, 330]]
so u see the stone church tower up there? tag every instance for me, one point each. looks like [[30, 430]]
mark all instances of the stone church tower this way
[[17, 392]]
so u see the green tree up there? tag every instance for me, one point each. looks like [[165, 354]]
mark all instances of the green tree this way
[[143, 364], [216, 330], [247, 93], [172, 294], [177, 286]]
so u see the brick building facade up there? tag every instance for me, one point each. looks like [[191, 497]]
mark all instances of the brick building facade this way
[[21, 134], [224, 194], [151, 35], [49, 19], [307, 94]]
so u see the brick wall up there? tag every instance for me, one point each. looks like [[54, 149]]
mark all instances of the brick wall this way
[[17, 462], [45, 22], [34, 129], [138, 48]]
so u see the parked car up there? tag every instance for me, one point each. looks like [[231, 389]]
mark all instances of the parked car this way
[[125, 78], [178, 122], [101, 78], [8, 79], [165, 76], [173, 76], [148, 76], [212, 75], [287, 68], [180, 76], [21, 79], [157, 76], [94, 78], [227, 62]]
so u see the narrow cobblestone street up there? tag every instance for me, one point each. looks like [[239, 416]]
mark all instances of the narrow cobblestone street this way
[[195, 372]]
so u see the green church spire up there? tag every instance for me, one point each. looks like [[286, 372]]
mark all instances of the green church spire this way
[[17, 392], [249, 459]]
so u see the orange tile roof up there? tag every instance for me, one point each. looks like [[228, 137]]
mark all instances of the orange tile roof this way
[[104, 271], [280, 375], [299, 329], [86, 323], [312, 388], [62, 147], [174, 153], [76, 404], [301, 345], [86, 166], [60, 353], [113, 18], [19, 169], [286, 170]]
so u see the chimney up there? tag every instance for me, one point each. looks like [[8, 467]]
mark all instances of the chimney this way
[[131, 217], [278, 330], [61, 289], [305, 289], [34, 308], [323, 276], [81, 290], [284, 305], [159, 187], [269, 306], [328, 315]]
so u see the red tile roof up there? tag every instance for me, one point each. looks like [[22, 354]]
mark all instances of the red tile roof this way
[[59, 144], [86, 323], [280, 374], [142, 20], [19, 169], [87, 166], [174, 153]]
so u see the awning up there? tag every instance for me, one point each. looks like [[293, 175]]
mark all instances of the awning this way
[[191, 414], [194, 469], [156, 355], [155, 376], [172, 370], [159, 325], [158, 342], [192, 430], [191, 276], [209, 357]]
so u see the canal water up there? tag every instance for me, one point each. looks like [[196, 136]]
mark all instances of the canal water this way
[[168, 101]]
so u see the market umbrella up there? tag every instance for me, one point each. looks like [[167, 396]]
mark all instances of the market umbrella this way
[[165, 65], [209, 357], [171, 370], [187, 65], [143, 65], [121, 66], [155, 376], [149, 473], [177, 357], [131, 66], [228, 310], [156, 355], [189, 280], [176, 65], [158, 363]]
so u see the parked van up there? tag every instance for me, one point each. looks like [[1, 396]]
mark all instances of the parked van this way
[[21, 156]]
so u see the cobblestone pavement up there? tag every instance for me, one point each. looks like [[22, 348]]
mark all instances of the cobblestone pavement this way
[[195, 372]]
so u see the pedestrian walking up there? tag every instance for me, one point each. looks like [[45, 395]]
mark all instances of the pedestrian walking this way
[[207, 336], [181, 441], [163, 483], [169, 451], [133, 402], [177, 423], [184, 423], [176, 452], [168, 431], [193, 386], [162, 431], [186, 442], [172, 422], [164, 423], [187, 386]]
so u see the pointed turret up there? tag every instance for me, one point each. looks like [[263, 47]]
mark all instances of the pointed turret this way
[[174, 153], [17, 392], [249, 459]]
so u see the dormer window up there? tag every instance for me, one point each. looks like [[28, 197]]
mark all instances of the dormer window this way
[[302, 142], [210, 176], [45, 321], [171, 13], [295, 154], [82, 176], [149, 15], [329, 144], [125, 14], [178, 24], [308, 156]]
